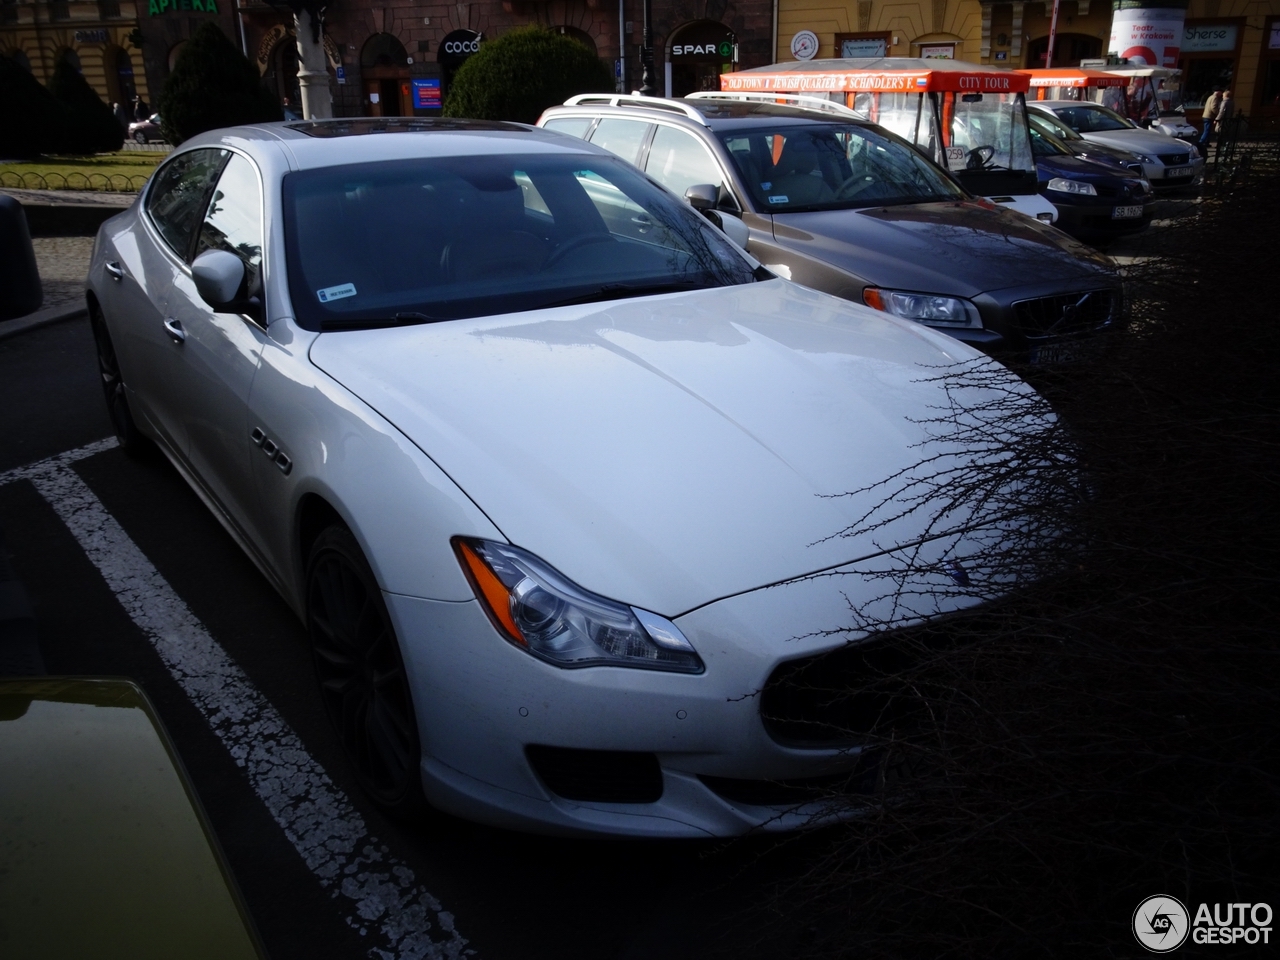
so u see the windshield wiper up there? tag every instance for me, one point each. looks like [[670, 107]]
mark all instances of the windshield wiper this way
[[404, 319], [616, 291]]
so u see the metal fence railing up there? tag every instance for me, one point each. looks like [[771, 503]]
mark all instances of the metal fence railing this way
[[103, 182], [1241, 146]]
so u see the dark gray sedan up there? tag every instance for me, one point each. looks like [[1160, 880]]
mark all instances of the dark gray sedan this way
[[846, 207]]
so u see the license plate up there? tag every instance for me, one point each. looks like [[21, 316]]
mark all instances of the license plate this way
[[1064, 351], [1126, 213], [1178, 172]]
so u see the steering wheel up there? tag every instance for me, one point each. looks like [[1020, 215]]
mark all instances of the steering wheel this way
[[576, 243], [979, 157], [853, 186]]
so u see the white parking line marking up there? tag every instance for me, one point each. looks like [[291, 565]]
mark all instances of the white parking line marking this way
[[389, 906]]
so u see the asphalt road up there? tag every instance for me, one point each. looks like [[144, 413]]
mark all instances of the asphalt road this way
[[506, 895]]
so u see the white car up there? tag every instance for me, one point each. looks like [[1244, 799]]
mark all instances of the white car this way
[[554, 473], [1166, 162]]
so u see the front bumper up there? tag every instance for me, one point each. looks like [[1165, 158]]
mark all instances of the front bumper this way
[[1094, 218], [1157, 173], [480, 702]]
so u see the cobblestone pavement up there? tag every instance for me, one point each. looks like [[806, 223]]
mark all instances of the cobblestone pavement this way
[[64, 264]]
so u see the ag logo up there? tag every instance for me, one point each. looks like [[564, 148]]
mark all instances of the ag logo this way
[[1161, 924]]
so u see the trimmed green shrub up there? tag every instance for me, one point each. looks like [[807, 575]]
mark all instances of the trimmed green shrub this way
[[91, 126], [520, 74], [34, 121], [212, 86]]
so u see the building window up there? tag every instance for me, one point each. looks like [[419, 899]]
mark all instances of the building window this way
[[59, 10], [8, 11], [108, 9]]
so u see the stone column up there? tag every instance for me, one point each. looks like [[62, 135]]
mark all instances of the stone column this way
[[313, 70]]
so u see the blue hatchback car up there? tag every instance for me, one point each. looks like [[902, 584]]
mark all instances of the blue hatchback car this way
[[1096, 201]]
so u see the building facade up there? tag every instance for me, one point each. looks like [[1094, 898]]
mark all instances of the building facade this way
[[97, 37], [1235, 43], [376, 53]]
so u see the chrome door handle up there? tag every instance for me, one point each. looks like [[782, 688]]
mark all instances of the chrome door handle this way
[[174, 329], [114, 270]]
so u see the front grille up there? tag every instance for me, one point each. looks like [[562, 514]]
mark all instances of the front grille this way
[[1066, 313], [1175, 159], [789, 793], [853, 692], [1106, 191], [599, 776]]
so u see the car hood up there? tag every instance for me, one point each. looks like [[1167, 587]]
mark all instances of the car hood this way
[[671, 450], [1143, 141], [958, 248], [1080, 168]]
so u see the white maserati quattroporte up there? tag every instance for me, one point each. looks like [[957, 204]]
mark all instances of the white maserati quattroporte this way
[[555, 474]]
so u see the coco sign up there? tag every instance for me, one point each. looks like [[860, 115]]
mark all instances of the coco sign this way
[[457, 46]]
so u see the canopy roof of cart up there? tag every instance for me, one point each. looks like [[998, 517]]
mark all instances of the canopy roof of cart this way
[[1141, 70], [1074, 77], [878, 75]]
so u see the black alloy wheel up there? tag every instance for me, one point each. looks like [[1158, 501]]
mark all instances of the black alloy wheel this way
[[129, 436], [361, 673], [139, 137]]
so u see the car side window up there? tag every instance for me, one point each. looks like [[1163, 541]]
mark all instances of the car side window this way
[[678, 161], [176, 198], [623, 137], [573, 126], [233, 219]]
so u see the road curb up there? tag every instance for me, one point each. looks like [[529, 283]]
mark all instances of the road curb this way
[[42, 318]]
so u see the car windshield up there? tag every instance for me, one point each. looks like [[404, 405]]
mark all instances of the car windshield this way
[[988, 132], [832, 166], [444, 238], [1045, 145], [1092, 119], [1052, 126]]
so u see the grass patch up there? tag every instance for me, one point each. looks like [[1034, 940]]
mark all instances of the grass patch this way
[[122, 171]]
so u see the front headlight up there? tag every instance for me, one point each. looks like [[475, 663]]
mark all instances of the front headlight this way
[[1144, 158], [924, 308], [1077, 187], [549, 616], [1195, 153]]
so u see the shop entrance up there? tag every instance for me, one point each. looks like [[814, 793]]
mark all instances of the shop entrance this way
[[384, 66], [1068, 50], [1267, 95]]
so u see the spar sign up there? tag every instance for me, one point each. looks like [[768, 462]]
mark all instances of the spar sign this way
[[1147, 35]]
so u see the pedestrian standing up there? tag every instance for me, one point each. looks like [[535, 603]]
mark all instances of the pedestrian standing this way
[[1226, 110], [121, 115], [1210, 111]]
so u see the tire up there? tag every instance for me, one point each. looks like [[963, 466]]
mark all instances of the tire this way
[[131, 439], [361, 674], [139, 137]]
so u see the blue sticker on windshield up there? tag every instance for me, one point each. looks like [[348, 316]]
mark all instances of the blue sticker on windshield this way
[[766, 185], [779, 199], [336, 293]]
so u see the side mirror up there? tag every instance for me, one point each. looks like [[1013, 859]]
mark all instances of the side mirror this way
[[702, 196], [730, 226], [219, 278], [20, 290]]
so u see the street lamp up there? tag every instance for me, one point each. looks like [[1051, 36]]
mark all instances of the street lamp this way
[[647, 89]]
